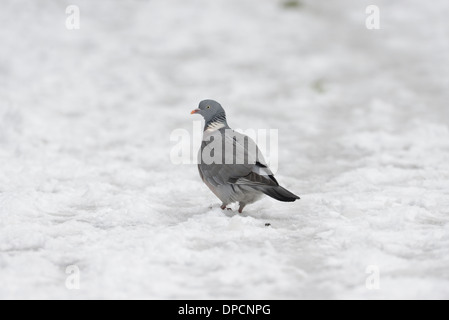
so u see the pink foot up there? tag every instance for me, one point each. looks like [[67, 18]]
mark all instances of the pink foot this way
[[223, 207]]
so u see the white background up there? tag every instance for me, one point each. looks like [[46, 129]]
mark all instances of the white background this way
[[86, 177]]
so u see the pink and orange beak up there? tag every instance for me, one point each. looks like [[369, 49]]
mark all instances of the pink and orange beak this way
[[195, 111]]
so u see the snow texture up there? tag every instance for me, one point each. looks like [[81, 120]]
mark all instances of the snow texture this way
[[86, 177]]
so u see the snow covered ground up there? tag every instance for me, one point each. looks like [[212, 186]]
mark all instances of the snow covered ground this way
[[86, 177]]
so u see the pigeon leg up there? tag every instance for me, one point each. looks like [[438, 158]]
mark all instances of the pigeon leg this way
[[242, 206]]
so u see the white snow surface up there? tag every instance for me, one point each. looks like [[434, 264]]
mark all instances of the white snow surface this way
[[86, 177]]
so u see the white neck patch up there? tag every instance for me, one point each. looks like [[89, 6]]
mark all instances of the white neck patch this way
[[214, 126]]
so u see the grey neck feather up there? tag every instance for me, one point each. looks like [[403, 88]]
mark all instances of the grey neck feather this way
[[217, 120]]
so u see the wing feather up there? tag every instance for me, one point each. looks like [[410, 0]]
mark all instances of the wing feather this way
[[252, 171]]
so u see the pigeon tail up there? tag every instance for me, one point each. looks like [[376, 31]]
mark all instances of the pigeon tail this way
[[280, 193]]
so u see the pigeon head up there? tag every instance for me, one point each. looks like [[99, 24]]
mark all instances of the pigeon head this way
[[213, 114]]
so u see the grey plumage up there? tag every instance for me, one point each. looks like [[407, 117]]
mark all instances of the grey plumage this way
[[231, 164]]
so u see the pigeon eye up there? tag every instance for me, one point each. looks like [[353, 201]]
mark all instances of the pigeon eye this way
[[208, 107]]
